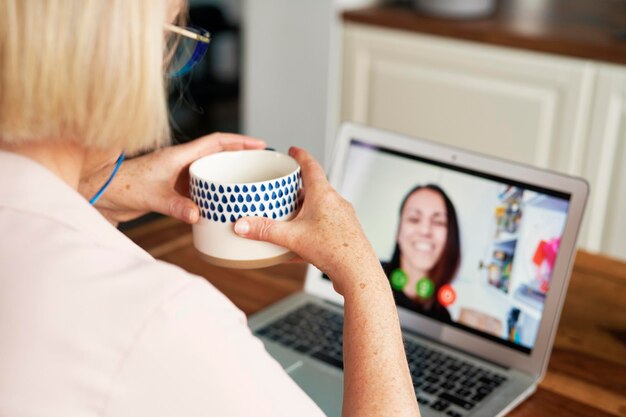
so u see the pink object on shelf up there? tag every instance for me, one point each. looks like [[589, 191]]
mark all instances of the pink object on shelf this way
[[544, 258]]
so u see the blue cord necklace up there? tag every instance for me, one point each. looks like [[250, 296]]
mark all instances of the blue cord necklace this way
[[95, 198]]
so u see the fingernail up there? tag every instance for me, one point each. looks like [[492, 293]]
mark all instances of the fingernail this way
[[242, 227], [190, 214]]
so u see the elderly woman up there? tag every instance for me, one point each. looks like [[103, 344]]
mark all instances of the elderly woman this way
[[90, 324]]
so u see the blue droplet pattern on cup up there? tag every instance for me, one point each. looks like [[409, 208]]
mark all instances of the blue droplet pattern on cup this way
[[228, 203]]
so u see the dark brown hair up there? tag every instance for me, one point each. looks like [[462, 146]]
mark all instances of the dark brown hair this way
[[448, 263]]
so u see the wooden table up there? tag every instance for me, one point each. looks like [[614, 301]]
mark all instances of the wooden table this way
[[587, 371]]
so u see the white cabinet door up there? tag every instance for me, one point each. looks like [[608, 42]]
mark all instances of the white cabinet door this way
[[605, 165], [523, 106]]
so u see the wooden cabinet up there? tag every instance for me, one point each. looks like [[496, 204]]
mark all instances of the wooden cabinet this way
[[604, 159], [546, 110]]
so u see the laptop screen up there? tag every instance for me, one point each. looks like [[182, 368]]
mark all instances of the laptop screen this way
[[462, 247]]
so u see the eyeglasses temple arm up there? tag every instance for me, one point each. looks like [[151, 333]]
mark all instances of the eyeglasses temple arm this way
[[187, 33]]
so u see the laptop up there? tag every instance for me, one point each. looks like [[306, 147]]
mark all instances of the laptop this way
[[478, 339]]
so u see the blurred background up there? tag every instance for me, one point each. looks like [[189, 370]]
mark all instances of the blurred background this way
[[208, 98], [268, 64]]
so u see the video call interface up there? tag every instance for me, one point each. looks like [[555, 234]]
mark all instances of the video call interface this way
[[464, 248]]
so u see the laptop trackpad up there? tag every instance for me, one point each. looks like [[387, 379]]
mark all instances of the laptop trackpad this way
[[324, 387]]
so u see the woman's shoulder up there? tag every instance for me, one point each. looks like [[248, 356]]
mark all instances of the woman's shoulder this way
[[107, 304], [193, 290]]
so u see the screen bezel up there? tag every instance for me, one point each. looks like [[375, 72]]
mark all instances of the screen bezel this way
[[534, 362]]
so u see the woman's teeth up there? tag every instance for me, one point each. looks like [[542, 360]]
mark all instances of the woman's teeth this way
[[424, 246]]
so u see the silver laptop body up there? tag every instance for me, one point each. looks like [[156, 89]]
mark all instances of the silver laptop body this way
[[518, 227]]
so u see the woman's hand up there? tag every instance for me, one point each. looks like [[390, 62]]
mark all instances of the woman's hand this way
[[159, 181], [325, 231]]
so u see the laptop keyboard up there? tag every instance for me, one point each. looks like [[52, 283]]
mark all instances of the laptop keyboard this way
[[444, 383], [312, 330]]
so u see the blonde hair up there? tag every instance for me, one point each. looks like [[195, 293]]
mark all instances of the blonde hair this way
[[88, 71]]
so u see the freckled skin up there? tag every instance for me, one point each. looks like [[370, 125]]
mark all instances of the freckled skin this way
[[158, 181], [327, 233]]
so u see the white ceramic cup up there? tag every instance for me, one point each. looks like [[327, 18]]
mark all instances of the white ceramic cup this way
[[230, 185]]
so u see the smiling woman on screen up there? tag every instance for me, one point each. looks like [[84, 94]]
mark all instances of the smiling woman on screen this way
[[427, 253]]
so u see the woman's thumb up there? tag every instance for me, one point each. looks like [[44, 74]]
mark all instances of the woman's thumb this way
[[262, 228], [177, 206]]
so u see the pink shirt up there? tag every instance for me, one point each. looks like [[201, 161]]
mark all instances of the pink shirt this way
[[92, 325]]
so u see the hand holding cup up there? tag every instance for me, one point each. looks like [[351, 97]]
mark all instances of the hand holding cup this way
[[325, 232], [230, 185]]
